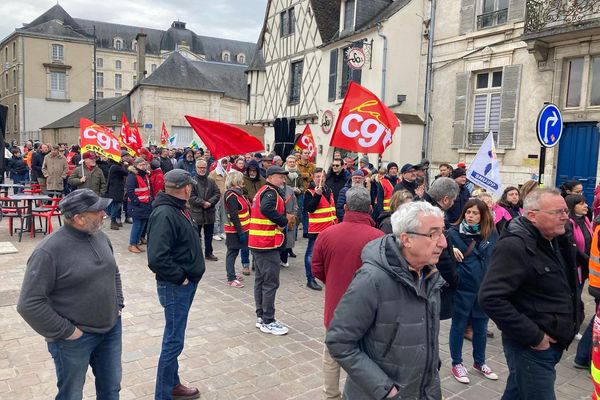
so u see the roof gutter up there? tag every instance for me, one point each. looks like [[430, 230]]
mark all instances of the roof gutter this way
[[428, 83], [384, 66]]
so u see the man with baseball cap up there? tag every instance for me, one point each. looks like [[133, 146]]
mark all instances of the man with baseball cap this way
[[72, 296], [268, 226], [175, 256], [409, 178], [88, 175]]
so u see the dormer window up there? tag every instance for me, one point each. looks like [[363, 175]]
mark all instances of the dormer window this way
[[134, 45], [349, 8], [118, 43], [226, 56], [241, 58]]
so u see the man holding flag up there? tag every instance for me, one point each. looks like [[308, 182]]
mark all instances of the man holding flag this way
[[88, 175]]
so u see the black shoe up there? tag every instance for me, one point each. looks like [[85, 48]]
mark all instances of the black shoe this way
[[114, 226], [314, 285], [580, 366], [211, 257], [291, 254]]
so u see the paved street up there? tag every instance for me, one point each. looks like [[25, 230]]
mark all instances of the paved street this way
[[225, 355]]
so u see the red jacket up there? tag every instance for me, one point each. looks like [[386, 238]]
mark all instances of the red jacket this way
[[336, 256], [157, 181]]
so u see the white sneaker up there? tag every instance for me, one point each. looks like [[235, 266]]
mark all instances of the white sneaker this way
[[258, 322], [285, 265], [223, 235], [274, 328], [217, 238], [460, 373], [486, 371]]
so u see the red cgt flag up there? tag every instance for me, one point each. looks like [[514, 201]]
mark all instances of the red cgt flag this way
[[306, 141], [223, 139], [125, 130], [164, 135], [99, 139], [365, 124], [134, 140]]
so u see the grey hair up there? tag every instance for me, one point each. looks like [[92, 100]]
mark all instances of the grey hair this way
[[358, 199], [233, 179], [290, 157], [201, 161], [443, 187], [406, 217], [532, 201]]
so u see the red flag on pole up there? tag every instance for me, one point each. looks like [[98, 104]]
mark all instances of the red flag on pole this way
[[125, 131], [99, 139], [223, 139], [307, 141], [164, 135], [365, 124], [134, 140]]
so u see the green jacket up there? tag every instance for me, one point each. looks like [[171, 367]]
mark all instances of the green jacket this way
[[94, 179]]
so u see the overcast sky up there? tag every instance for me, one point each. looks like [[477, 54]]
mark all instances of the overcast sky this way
[[231, 19]]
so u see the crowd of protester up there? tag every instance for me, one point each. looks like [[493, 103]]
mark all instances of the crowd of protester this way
[[360, 203]]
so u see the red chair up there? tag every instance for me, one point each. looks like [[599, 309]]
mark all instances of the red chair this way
[[35, 188], [50, 211], [11, 209]]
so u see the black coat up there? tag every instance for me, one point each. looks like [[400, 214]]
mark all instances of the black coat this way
[[232, 208], [166, 164], [174, 251], [115, 184], [531, 288], [17, 166], [37, 161], [453, 213], [203, 189], [336, 182]]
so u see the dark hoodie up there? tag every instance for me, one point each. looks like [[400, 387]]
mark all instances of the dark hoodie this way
[[530, 287], [189, 166], [174, 251], [385, 328], [252, 185]]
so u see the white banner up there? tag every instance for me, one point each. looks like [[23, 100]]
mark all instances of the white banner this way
[[485, 171]]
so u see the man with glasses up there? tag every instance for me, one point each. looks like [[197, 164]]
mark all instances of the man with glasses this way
[[337, 177], [384, 332], [530, 292]]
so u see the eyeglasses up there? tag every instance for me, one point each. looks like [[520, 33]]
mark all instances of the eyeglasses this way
[[559, 211], [435, 235], [335, 165]]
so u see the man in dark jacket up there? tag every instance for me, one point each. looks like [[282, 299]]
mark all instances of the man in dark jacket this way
[[115, 189], [409, 180], [37, 161], [334, 263], [442, 194], [384, 332], [205, 196], [187, 162], [175, 256], [530, 291], [453, 213], [357, 179], [17, 169], [165, 162], [253, 180], [337, 177]]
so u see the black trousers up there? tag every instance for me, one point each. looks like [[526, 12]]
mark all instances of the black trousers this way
[[266, 282], [208, 234]]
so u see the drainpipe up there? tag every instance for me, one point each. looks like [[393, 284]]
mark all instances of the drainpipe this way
[[425, 144], [384, 67]]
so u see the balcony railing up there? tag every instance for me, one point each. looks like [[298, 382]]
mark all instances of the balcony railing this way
[[546, 14], [475, 139], [492, 19]]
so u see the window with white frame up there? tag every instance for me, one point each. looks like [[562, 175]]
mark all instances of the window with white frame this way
[[99, 62], [118, 43], [153, 67], [118, 64], [14, 73], [118, 81], [226, 57], [574, 70], [99, 95], [241, 58], [493, 12], [349, 7], [135, 66], [58, 52], [487, 102], [134, 45], [14, 46], [100, 79], [58, 85]]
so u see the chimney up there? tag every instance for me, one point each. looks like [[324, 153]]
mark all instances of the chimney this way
[[141, 56]]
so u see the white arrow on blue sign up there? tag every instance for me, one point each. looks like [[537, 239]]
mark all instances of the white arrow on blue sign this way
[[549, 125]]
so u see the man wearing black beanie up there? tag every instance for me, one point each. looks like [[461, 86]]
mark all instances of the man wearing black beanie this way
[[385, 189]]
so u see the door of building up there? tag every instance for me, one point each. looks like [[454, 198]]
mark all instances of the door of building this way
[[578, 156]]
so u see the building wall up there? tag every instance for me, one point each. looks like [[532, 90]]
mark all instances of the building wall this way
[[10, 93], [128, 71], [153, 105]]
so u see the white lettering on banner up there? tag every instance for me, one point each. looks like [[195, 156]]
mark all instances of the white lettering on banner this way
[[308, 145], [105, 141], [370, 130]]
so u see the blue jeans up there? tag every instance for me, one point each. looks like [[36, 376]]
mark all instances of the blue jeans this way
[[245, 256], [308, 258], [531, 372], [115, 210], [176, 301], [137, 228], [457, 333], [101, 351], [584, 348]]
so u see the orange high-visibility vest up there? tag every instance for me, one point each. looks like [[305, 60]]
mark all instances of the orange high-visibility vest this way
[[142, 192], [595, 362], [324, 216], [264, 234], [388, 191], [243, 213], [72, 166], [594, 265]]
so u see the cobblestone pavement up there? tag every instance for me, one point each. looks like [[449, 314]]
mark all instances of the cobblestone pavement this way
[[225, 355]]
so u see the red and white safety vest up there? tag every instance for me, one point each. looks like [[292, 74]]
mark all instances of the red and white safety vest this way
[[264, 234], [388, 191], [324, 216], [142, 191], [243, 213]]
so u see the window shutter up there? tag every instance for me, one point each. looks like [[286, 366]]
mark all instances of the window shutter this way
[[460, 110], [333, 56], [495, 107], [511, 83], [479, 112], [467, 16], [516, 10]]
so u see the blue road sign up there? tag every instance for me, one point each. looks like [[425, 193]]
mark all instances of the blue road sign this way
[[549, 125], [148, 126]]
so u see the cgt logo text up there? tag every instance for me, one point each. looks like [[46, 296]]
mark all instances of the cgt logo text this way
[[369, 127]]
